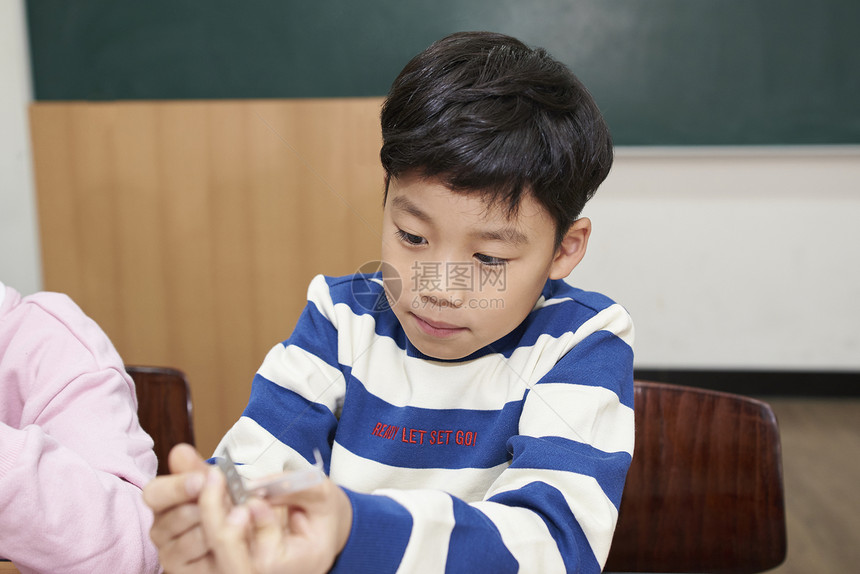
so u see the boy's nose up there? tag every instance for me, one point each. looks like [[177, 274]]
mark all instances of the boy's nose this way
[[441, 300], [442, 283]]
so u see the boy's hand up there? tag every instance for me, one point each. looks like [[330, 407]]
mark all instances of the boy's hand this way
[[302, 532], [176, 528]]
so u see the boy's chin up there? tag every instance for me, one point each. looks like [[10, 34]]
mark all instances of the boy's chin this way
[[449, 351]]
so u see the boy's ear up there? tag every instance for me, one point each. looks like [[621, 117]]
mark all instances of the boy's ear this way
[[572, 249]]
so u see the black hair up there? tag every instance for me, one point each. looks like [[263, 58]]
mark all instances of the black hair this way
[[484, 113]]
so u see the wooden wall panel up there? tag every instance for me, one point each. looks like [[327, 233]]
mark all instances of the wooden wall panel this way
[[190, 230]]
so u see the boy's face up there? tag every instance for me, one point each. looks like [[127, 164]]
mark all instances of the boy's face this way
[[459, 276]]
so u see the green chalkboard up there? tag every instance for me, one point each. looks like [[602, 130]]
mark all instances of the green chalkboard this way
[[665, 72]]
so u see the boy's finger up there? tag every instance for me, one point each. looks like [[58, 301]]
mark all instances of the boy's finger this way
[[184, 458], [174, 523], [224, 526], [213, 506], [263, 513], [233, 553], [165, 492], [187, 548], [270, 530]]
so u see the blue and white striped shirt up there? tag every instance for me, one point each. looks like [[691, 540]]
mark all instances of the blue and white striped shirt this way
[[510, 460]]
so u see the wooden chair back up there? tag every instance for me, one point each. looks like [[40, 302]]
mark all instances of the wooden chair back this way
[[164, 408], [704, 492]]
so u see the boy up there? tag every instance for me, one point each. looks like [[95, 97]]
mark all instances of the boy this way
[[474, 412]]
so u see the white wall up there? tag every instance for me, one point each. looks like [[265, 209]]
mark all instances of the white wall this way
[[732, 257], [20, 265], [726, 257]]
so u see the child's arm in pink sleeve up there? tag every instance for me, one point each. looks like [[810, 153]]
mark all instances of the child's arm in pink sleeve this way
[[73, 457], [76, 505]]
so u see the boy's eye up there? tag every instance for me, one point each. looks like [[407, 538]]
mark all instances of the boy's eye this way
[[410, 238], [490, 260]]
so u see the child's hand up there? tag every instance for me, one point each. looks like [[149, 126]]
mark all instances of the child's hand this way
[[302, 532], [176, 528]]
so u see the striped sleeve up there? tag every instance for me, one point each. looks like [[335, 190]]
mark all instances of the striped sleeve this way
[[571, 455], [570, 459], [295, 397]]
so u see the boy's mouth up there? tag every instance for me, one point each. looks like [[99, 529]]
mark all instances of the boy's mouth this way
[[437, 328]]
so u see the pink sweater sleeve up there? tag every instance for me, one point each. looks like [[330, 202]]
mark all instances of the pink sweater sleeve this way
[[73, 458]]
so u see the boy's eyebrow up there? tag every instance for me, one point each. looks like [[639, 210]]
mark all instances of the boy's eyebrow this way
[[404, 204], [505, 234]]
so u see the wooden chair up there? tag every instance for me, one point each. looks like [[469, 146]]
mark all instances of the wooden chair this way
[[704, 492], [164, 408]]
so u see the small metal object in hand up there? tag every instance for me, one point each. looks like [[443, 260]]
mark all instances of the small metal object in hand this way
[[235, 486], [270, 486]]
